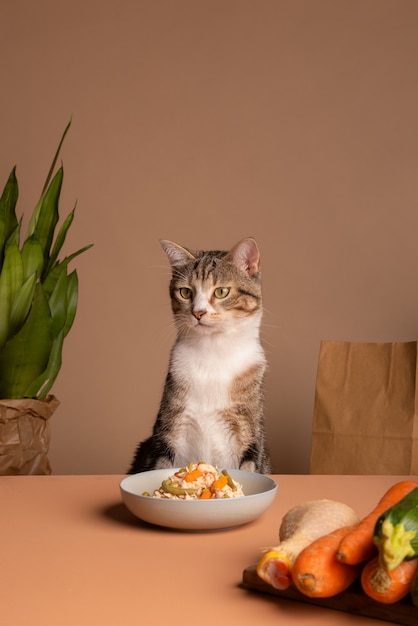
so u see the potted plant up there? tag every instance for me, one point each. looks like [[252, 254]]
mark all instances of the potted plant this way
[[38, 303]]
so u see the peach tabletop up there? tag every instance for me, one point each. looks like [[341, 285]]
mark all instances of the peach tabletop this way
[[73, 555]]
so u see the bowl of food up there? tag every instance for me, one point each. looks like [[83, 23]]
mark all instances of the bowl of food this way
[[198, 497]]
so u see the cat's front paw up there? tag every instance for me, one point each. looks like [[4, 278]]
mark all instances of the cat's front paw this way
[[248, 466]]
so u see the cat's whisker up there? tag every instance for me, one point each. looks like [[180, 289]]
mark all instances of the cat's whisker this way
[[180, 276], [161, 268], [170, 332], [268, 325], [267, 345]]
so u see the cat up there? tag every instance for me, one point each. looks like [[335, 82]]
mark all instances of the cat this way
[[212, 404]]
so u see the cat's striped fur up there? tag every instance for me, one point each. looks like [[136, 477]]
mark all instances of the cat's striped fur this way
[[212, 405]]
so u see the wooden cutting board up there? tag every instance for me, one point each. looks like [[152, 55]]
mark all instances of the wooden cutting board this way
[[353, 600]]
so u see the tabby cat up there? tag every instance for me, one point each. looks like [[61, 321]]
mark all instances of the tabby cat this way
[[212, 404]]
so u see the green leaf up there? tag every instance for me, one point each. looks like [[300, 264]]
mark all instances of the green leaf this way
[[13, 263], [11, 279], [72, 300], [58, 304], [35, 215], [55, 159], [8, 219], [32, 257], [48, 217], [25, 356], [51, 278], [72, 256], [59, 242], [21, 305], [42, 385]]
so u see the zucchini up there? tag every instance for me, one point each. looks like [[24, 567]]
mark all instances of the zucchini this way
[[396, 532]]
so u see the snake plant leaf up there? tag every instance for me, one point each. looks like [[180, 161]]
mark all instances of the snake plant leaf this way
[[47, 217], [11, 279], [13, 262], [32, 257], [55, 159], [42, 385], [58, 304], [35, 214], [25, 356], [21, 305], [72, 300], [72, 256], [5, 309], [59, 242], [8, 219], [51, 278]]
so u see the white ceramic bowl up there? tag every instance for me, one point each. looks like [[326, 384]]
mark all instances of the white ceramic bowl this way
[[260, 491]]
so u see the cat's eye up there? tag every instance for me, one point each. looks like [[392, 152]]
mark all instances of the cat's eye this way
[[221, 292], [185, 293]]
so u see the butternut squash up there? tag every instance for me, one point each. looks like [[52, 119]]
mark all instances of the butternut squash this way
[[299, 527]]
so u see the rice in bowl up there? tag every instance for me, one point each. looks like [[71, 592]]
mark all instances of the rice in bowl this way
[[198, 481]]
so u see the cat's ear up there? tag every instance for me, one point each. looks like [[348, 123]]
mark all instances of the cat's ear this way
[[246, 255], [177, 255]]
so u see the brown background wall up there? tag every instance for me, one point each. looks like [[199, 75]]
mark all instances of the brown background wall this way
[[294, 121]]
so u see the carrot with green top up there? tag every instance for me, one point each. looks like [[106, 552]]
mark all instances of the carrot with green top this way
[[358, 546]]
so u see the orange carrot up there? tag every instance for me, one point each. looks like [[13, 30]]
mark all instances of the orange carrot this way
[[388, 587], [205, 495], [220, 482], [358, 546], [316, 571], [190, 477]]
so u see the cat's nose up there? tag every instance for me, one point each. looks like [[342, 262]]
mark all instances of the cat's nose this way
[[198, 314]]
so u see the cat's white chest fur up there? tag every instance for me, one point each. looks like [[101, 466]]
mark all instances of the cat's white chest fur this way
[[206, 367]]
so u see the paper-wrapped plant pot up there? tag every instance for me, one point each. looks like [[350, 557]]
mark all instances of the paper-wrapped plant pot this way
[[25, 435]]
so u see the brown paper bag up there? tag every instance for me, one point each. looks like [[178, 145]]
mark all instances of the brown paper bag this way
[[366, 409], [25, 435]]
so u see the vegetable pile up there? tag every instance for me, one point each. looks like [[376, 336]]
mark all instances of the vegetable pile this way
[[198, 481], [324, 548]]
